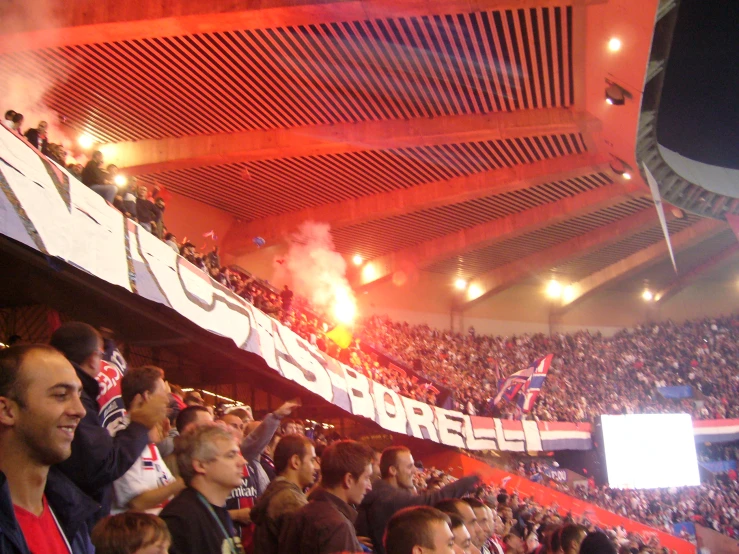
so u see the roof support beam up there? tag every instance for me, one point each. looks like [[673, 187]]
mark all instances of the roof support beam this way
[[421, 197], [480, 236], [638, 261], [501, 278], [154, 156], [682, 281], [88, 22]]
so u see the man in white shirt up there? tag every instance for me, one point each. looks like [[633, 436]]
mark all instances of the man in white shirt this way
[[148, 485]]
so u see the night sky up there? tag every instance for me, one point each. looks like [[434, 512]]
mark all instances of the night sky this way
[[699, 110]]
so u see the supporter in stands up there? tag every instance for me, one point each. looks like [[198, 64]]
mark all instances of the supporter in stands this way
[[191, 417], [295, 464], [484, 517], [40, 509], [597, 543], [171, 240], [97, 458], [254, 480], [464, 510], [17, 124], [210, 462], [193, 398], [8, 120], [37, 137], [419, 530], [287, 299], [326, 524], [571, 537], [514, 544], [462, 538], [146, 211], [131, 533], [393, 492], [94, 177], [149, 484]]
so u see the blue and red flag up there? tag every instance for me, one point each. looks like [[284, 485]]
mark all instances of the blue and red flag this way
[[532, 387]]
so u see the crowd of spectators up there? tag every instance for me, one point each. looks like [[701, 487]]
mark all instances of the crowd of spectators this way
[[590, 374]]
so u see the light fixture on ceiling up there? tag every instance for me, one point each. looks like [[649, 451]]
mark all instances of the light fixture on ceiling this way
[[460, 284], [647, 295], [614, 45], [620, 167], [616, 95], [357, 259]]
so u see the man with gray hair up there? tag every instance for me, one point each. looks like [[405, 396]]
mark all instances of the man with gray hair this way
[[210, 462]]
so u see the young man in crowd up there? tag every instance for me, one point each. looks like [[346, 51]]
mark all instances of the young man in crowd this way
[[149, 484], [131, 533], [40, 508], [419, 530], [255, 480], [484, 518], [97, 458], [394, 492], [462, 538], [461, 508], [295, 464], [211, 464], [326, 524]]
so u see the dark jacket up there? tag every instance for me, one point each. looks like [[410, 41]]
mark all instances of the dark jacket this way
[[97, 458], [193, 527], [70, 506], [272, 511], [384, 500], [324, 526], [92, 174], [33, 137]]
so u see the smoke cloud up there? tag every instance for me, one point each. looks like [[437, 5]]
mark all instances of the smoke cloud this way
[[317, 271], [25, 80]]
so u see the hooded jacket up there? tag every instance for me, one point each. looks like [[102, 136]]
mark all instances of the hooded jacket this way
[[71, 507], [97, 458]]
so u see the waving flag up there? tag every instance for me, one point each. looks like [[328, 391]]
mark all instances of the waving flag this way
[[532, 387], [512, 385]]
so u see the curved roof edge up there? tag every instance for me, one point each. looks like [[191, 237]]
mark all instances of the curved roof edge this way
[[702, 189]]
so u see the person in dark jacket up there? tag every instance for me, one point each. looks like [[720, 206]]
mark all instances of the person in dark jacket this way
[[210, 462], [41, 510], [295, 464], [97, 458], [326, 524], [395, 491], [94, 177], [37, 137]]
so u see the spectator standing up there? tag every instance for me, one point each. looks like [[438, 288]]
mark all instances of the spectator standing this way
[[8, 120], [40, 508], [295, 464], [326, 524], [17, 123], [37, 137], [94, 177], [210, 462], [287, 299], [148, 485], [97, 458], [146, 211], [394, 492]]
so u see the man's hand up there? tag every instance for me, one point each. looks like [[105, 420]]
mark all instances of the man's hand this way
[[366, 541], [242, 515], [287, 408], [148, 411]]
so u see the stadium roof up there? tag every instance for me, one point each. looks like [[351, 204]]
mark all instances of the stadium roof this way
[[469, 138]]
